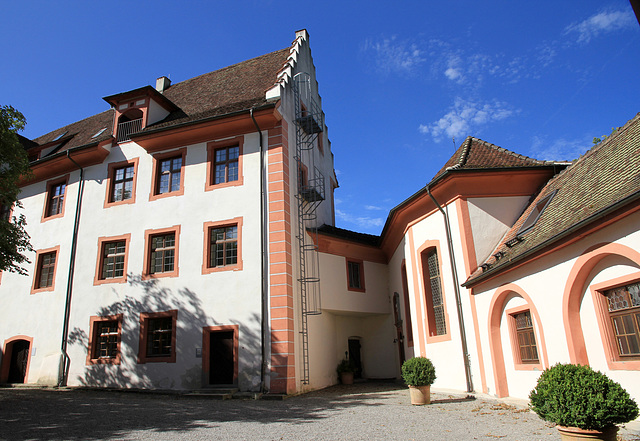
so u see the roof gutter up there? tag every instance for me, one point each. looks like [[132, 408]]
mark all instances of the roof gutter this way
[[64, 363], [263, 259], [151, 131], [456, 286], [596, 216]]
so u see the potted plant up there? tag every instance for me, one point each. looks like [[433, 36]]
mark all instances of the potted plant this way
[[419, 374], [345, 370], [583, 403]]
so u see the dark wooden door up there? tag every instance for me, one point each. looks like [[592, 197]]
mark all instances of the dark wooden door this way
[[398, 323], [19, 359], [221, 362], [355, 357]]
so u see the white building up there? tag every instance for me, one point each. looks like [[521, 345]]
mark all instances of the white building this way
[[185, 239]]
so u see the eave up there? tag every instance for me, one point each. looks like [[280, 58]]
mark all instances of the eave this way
[[163, 138], [466, 183], [59, 164], [343, 247]]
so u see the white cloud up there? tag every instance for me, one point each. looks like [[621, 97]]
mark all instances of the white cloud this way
[[454, 71], [373, 207], [393, 56], [560, 149], [602, 22], [464, 117], [363, 222]]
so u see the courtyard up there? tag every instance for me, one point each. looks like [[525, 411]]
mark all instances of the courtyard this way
[[364, 411]]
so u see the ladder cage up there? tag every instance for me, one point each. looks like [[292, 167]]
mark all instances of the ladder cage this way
[[310, 192]]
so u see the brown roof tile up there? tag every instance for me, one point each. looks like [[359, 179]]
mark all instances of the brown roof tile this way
[[475, 154], [234, 88], [598, 181]]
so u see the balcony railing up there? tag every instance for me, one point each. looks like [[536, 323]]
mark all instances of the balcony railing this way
[[125, 129]]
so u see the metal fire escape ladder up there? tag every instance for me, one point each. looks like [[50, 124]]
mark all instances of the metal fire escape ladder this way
[[310, 193]]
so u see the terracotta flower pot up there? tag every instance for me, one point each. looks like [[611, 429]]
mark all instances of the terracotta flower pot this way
[[346, 377], [574, 433], [420, 395]]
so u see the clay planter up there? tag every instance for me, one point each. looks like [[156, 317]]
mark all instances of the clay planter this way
[[346, 377], [576, 434], [420, 395]]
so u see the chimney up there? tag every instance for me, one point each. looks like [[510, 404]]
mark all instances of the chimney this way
[[162, 84]]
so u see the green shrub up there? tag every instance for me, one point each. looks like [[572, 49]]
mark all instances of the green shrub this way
[[418, 371], [346, 366], [578, 396]]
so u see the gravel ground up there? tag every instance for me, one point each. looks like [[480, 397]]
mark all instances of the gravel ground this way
[[365, 411]]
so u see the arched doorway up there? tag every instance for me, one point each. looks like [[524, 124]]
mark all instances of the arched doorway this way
[[15, 362]]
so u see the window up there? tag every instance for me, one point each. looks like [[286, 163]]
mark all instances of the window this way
[[224, 166], [112, 259], [121, 183], [355, 275], [45, 272], [526, 338], [104, 340], [169, 173], [158, 337], [434, 297], [535, 214], [168, 179], [222, 246], [161, 254], [624, 314], [163, 250], [54, 204]]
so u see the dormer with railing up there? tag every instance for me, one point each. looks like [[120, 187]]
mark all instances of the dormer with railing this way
[[139, 108]]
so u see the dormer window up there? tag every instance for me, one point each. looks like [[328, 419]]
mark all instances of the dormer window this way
[[128, 123], [137, 109]]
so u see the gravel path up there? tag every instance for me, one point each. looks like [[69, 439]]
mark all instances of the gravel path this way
[[366, 411]]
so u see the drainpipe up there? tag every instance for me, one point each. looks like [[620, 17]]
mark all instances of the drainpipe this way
[[64, 365], [263, 258], [456, 285]]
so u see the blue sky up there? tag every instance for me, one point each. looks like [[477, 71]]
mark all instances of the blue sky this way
[[403, 83]]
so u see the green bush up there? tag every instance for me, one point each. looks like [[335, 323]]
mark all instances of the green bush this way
[[418, 371], [346, 366], [577, 396]]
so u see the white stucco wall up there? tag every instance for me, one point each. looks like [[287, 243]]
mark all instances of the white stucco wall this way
[[545, 281]]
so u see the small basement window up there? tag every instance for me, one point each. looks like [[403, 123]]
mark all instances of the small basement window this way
[[536, 213]]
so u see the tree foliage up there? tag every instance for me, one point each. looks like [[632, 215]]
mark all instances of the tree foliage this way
[[14, 164]]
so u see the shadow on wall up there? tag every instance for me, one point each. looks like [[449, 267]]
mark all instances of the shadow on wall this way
[[186, 372]]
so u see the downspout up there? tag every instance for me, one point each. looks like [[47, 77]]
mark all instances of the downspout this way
[[65, 362], [263, 258], [456, 285]]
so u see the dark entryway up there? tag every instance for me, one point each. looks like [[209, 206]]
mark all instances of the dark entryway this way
[[221, 361], [354, 356], [19, 360], [398, 323]]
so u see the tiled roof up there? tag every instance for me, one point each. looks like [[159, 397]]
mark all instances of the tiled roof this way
[[81, 132], [600, 180], [476, 154], [226, 90], [234, 88], [341, 233]]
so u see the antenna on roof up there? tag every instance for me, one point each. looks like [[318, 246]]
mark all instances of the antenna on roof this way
[[453, 138]]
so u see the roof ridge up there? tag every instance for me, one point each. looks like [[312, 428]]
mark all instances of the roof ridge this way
[[609, 139], [510, 152]]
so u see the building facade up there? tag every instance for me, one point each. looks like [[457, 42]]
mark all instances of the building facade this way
[[185, 239]]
